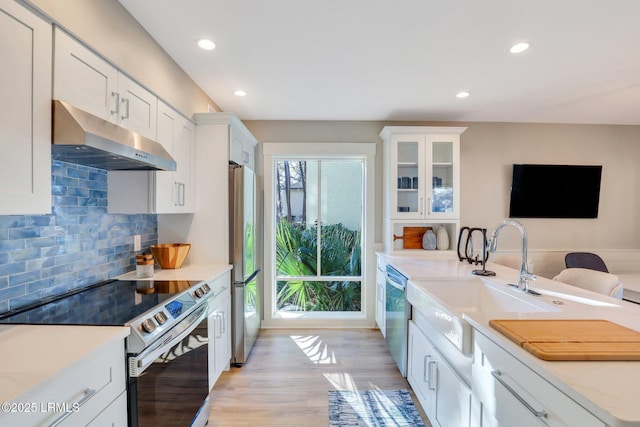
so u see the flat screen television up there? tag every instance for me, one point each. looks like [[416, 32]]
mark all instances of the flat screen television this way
[[555, 191]]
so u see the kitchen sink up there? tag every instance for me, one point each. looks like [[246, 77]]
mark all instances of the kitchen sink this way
[[443, 303]]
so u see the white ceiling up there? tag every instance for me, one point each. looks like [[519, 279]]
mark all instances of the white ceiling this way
[[407, 59]]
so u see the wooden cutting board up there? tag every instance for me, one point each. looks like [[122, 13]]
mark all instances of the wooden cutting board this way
[[568, 339], [412, 237]]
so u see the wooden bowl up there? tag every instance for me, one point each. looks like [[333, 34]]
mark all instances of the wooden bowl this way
[[170, 255]]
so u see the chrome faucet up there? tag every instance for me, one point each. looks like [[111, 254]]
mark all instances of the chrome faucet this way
[[524, 276]]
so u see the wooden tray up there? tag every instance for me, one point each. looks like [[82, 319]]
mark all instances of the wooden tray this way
[[412, 237], [568, 339]]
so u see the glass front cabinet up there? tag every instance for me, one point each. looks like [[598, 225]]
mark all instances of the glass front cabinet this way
[[422, 178], [421, 185]]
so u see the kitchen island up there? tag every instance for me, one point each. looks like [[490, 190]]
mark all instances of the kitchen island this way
[[598, 393]]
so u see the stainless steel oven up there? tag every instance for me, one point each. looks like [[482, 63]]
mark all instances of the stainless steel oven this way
[[397, 313], [167, 350], [169, 381]]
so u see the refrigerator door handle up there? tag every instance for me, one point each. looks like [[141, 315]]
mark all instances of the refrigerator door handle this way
[[247, 280]]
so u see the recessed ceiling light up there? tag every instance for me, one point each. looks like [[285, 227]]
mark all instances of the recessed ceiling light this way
[[519, 47], [463, 94], [206, 44], [240, 93]]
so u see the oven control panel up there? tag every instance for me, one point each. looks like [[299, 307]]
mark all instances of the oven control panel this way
[[201, 291], [155, 322]]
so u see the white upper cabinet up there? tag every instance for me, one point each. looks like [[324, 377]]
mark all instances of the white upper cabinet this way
[[89, 82], [160, 192], [167, 124], [25, 111], [137, 107], [84, 79], [174, 191], [423, 179], [185, 155], [242, 148], [421, 183]]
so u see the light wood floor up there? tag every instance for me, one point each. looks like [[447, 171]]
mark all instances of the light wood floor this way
[[289, 372]]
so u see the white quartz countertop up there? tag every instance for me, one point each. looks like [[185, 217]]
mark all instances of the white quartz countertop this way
[[33, 355], [609, 390], [186, 272]]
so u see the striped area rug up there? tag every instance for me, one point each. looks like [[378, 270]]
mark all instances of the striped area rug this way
[[373, 408]]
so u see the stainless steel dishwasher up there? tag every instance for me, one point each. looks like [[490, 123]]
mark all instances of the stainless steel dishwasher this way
[[397, 312]]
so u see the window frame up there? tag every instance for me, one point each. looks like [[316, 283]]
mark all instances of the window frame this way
[[272, 152]]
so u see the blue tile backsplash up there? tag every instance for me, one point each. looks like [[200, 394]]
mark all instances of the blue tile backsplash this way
[[78, 244]]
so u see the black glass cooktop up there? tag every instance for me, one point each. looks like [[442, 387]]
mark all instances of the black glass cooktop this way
[[109, 304]]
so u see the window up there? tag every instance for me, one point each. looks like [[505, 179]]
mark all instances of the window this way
[[319, 216]]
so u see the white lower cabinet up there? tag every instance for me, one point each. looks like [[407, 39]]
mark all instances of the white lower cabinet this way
[[114, 415], [223, 336], [444, 396], [380, 294], [219, 328], [507, 393], [82, 394]]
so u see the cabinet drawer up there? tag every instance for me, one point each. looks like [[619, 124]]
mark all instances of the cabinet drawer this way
[[82, 390], [220, 288], [508, 389], [115, 415]]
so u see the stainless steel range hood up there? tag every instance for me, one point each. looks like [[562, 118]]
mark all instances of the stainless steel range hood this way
[[80, 137]]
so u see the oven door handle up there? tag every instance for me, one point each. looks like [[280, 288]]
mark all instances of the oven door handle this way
[[138, 364]]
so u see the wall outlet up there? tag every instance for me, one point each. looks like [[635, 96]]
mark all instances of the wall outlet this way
[[137, 244]]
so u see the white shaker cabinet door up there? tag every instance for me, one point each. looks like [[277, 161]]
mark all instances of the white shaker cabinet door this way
[[219, 328], [25, 111], [174, 189], [138, 107], [166, 192], [84, 79], [223, 337], [184, 155]]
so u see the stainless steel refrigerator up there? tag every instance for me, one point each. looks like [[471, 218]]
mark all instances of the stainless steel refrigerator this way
[[246, 313]]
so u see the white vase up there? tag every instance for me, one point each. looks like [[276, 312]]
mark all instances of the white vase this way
[[442, 239]]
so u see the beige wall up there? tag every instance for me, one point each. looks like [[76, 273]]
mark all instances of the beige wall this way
[[109, 29], [488, 151]]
